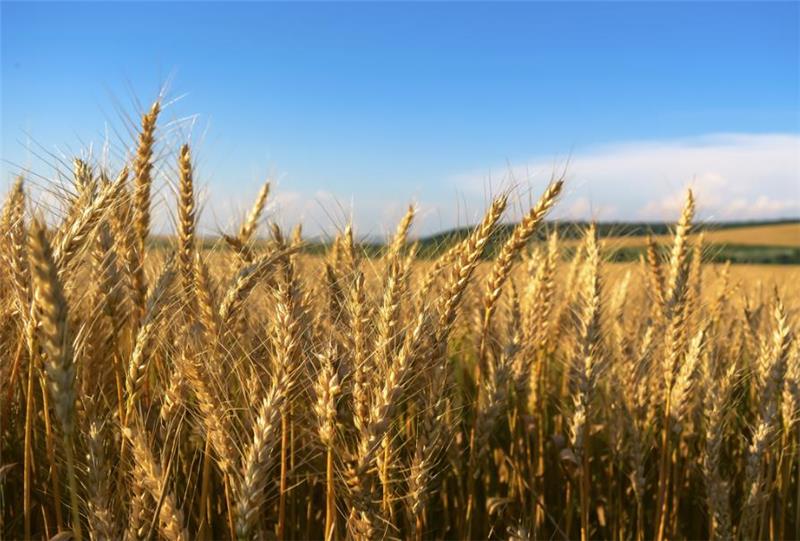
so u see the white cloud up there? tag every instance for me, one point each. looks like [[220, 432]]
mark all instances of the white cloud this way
[[321, 212], [734, 176]]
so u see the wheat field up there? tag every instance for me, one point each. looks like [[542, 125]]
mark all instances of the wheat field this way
[[258, 392], [757, 235]]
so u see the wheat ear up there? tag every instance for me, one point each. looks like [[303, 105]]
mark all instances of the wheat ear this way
[[248, 227], [466, 261], [71, 240], [52, 312], [327, 389], [142, 171], [505, 260], [587, 370], [149, 473], [186, 224], [675, 315], [15, 245], [259, 456]]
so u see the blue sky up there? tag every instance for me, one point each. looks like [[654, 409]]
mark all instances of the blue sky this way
[[371, 106]]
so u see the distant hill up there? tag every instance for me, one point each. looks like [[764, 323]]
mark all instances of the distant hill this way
[[569, 229], [756, 242], [740, 242]]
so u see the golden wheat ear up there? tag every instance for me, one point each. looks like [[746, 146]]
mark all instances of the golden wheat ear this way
[[14, 244], [250, 224], [400, 235], [150, 474], [466, 261], [142, 176], [52, 313], [70, 241], [187, 218], [502, 266]]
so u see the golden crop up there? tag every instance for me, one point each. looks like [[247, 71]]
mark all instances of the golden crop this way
[[259, 392]]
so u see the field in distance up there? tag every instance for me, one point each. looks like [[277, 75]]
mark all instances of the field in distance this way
[[764, 243], [780, 234]]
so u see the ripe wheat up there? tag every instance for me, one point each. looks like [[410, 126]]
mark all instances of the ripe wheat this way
[[256, 391]]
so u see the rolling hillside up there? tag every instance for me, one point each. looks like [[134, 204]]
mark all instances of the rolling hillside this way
[[747, 242]]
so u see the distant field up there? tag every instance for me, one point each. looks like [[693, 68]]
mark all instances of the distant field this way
[[787, 235], [752, 244], [767, 235], [765, 244]]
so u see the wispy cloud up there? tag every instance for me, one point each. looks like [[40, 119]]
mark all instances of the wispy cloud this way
[[320, 212], [734, 176]]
